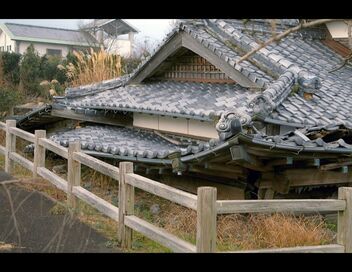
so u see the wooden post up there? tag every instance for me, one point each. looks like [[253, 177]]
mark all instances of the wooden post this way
[[206, 219], [10, 146], [344, 223], [39, 152], [126, 205], [73, 173]]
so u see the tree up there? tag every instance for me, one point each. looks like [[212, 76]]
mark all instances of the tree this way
[[30, 72]]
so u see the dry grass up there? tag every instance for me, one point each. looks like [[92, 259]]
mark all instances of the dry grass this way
[[254, 231], [92, 67]]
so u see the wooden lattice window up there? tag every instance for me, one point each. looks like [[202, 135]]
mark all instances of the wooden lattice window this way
[[194, 68]]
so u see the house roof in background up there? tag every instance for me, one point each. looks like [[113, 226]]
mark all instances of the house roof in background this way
[[53, 35], [113, 27]]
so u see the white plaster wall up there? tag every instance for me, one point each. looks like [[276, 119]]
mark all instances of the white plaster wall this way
[[5, 41], [338, 29], [41, 48], [177, 125]]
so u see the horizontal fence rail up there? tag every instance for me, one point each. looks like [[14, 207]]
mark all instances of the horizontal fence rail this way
[[271, 206], [205, 202]]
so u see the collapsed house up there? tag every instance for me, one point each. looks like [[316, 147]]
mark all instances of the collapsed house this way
[[277, 121]]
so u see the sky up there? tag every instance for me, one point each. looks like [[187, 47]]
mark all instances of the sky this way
[[153, 29]]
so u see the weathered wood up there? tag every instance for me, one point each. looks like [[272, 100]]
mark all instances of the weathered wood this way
[[2, 150], [124, 120], [73, 173], [54, 147], [23, 134], [206, 219], [39, 152], [344, 224], [52, 178], [98, 165], [279, 205], [97, 202], [126, 204], [157, 234], [21, 161], [192, 44], [313, 176], [336, 165], [2, 126], [175, 195], [167, 50], [10, 146], [303, 249]]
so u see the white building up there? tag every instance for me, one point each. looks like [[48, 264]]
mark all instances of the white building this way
[[58, 41]]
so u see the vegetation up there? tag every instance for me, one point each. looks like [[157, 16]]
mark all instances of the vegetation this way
[[92, 67]]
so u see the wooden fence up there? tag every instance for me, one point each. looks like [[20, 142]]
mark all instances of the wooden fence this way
[[205, 203]]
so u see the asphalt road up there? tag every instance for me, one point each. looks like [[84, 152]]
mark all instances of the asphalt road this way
[[27, 224]]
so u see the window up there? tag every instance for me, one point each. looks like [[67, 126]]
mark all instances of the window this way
[[2, 48], [8, 48], [54, 52]]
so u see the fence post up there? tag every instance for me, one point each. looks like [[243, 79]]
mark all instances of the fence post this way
[[206, 219], [126, 204], [39, 152], [73, 173], [10, 145], [344, 222]]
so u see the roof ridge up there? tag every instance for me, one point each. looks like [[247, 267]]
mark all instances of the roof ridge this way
[[47, 27]]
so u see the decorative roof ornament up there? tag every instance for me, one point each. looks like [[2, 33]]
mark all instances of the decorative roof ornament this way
[[231, 123]]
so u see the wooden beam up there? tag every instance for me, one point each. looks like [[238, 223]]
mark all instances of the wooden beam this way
[[39, 152], [116, 120], [54, 147], [73, 173], [304, 249], [305, 177], [279, 205], [175, 195], [10, 146], [206, 219], [192, 44], [344, 224], [157, 234], [167, 50]]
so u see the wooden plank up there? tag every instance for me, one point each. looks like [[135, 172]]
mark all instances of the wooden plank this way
[[52, 178], [2, 150], [173, 45], [303, 249], [98, 165], [192, 44], [336, 165], [311, 176], [175, 195], [54, 147], [73, 173], [206, 219], [2, 126], [10, 146], [98, 203], [159, 235], [344, 221], [279, 205], [39, 152], [118, 120], [23, 134], [126, 204], [22, 161]]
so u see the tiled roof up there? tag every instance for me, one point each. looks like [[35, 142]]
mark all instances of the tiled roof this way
[[195, 100], [129, 142], [300, 60], [65, 36]]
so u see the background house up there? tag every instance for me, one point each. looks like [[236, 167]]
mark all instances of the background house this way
[[110, 33]]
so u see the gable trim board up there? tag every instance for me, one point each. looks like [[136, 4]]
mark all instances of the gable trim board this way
[[182, 39]]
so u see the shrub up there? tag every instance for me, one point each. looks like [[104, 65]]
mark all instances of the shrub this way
[[49, 69], [9, 97], [11, 67], [30, 72], [129, 64]]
